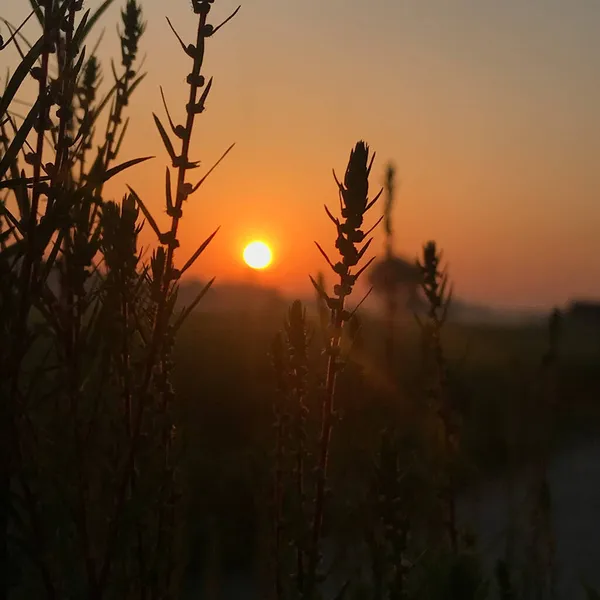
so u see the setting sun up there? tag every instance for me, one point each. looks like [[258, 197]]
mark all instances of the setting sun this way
[[257, 255]]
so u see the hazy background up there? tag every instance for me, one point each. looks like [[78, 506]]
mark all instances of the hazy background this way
[[489, 109]]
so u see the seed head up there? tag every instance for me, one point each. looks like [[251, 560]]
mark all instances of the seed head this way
[[133, 28], [355, 190]]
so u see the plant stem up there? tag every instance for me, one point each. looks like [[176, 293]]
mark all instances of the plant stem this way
[[161, 317], [325, 440]]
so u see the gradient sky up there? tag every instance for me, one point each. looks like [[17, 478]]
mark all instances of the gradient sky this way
[[490, 110]]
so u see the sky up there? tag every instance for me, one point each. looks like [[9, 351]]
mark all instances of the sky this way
[[488, 109]]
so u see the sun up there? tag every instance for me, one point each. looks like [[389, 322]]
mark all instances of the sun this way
[[257, 255]]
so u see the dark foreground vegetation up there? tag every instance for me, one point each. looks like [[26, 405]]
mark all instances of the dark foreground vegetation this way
[[150, 450]]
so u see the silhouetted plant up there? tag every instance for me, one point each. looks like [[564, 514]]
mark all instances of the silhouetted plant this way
[[354, 204], [392, 506], [91, 484], [291, 516], [89, 438], [50, 206], [435, 283]]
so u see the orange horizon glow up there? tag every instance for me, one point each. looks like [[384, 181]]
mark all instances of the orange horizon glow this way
[[492, 124]]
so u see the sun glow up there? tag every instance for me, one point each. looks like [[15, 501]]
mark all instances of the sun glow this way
[[257, 255]]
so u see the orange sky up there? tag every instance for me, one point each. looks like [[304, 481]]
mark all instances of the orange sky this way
[[489, 109]]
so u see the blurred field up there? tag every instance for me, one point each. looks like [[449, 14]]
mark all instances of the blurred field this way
[[225, 383]]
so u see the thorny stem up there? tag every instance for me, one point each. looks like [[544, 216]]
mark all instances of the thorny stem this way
[[181, 195], [161, 314]]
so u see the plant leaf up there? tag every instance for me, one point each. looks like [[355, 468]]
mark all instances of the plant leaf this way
[[213, 168], [97, 179], [181, 42], [146, 212], [117, 149], [319, 288], [19, 75], [361, 271], [186, 312], [165, 138], [78, 35], [235, 12], [136, 82], [198, 252], [370, 204], [19, 139], [324, 255], [102, 105], [95, 17], [38, 11]]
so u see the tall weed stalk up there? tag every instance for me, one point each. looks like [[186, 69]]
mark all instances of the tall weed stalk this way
[[352, 244], [90, 496], [438, 296]]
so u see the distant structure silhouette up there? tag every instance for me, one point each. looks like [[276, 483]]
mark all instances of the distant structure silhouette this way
[[397, 276], [394, 278]]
